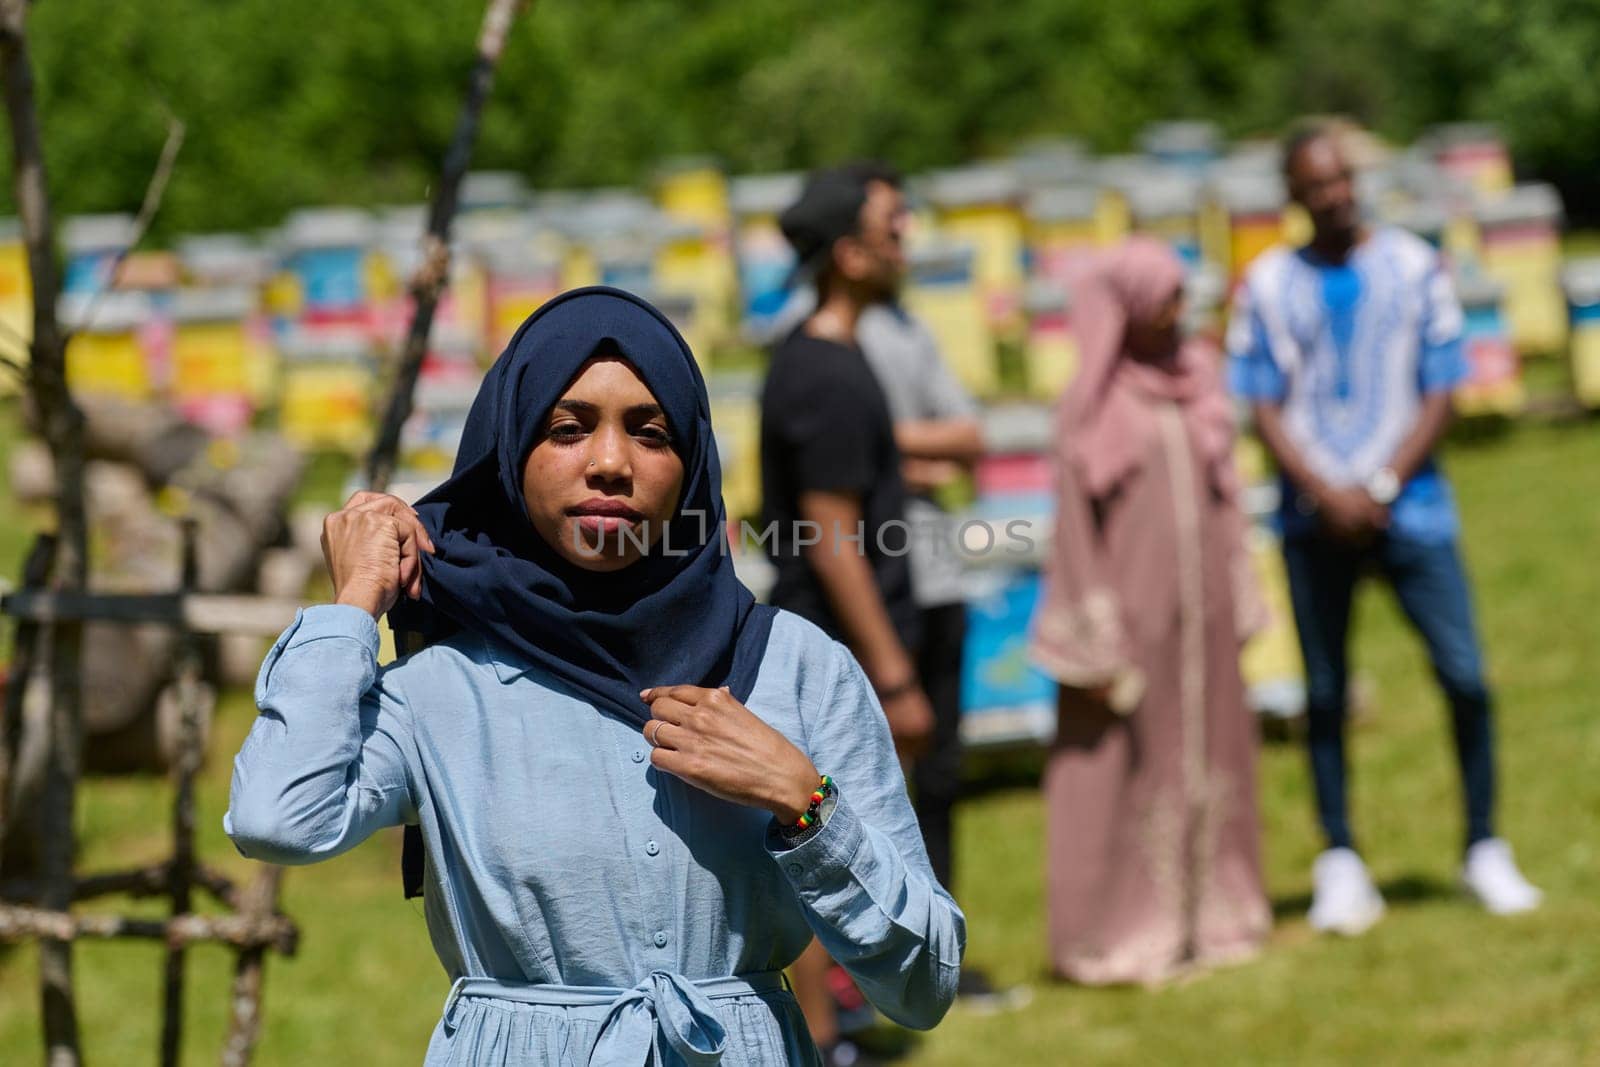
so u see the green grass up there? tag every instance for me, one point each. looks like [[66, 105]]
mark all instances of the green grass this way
[[1436, 982]]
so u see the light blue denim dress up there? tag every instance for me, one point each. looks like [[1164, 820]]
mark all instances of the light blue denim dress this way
[[588, 908]]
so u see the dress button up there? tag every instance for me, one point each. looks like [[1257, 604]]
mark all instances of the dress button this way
[[661, 939], [795, 869], [638, 755], [651, 848]]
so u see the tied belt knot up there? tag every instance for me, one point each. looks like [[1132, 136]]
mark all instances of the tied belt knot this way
[[682, 1011]]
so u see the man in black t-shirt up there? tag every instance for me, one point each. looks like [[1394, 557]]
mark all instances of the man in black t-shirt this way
[[834, 502]]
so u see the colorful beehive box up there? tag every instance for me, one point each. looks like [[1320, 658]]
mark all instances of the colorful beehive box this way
[[1253, 205], [765, 258], [1167, 205], [1205, 293], [943, 292], [1495, 384], [1005, 699], [106, 355], [16, 299], [695, 255], [1063, 230], [326, 252], [1273, 673], [447, 383], [1187, 144], [234, 261], [498, 193], [736, 423], [1115, 175], [1473, 152], [1582, 282], [1050, 164], [520, 277], [213, 356], [1521, 248], [1052, 350], [981, 207], [328, 377], [90, 245]]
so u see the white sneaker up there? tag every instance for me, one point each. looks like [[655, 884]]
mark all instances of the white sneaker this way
[[1491, 875], [1343, 900]]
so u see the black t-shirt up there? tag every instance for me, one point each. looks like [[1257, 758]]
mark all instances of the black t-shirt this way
[[825, 426]]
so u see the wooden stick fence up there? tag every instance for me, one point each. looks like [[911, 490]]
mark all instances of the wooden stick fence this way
[[253, 926]]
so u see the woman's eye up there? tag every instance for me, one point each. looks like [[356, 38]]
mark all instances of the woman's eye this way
[[565, 431], [654, 436]]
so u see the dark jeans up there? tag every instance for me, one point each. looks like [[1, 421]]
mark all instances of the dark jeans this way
[[1431, 586], [936, 776]]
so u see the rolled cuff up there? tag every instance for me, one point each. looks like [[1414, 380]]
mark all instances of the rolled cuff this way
[[824, 858]]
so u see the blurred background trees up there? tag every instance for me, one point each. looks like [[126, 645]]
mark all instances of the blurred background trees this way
[[291, 102]]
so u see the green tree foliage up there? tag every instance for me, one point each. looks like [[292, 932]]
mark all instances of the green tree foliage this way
[[293, 102]]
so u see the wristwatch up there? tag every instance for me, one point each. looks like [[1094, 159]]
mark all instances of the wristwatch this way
[[1383, 487]]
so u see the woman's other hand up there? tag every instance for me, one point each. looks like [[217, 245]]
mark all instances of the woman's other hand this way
[[373, 548], [712, 741]]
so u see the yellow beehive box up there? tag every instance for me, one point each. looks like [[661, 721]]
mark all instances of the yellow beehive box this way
[[105, 355], [1521, 249], [1582, 281], [1051, 353], [981, 208], [327, 391], [1270, 663], [944, 295], [695, 190], [210, 346]]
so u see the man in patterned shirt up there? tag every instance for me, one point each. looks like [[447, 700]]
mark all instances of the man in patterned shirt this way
[[1348, 350]]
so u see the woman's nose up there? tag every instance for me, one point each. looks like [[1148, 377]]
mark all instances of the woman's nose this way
[[608, 455]]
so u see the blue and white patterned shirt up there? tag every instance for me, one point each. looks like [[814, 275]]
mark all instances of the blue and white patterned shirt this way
[[1350, 350]]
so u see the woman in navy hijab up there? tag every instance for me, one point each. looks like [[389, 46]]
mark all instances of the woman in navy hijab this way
[[638, 792]]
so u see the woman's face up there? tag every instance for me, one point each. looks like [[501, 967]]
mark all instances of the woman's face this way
[[603, 477], [1157, 337]]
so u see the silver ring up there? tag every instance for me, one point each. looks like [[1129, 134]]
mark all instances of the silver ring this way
[[651, 737]]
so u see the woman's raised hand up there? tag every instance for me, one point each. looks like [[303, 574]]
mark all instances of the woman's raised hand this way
[[373, 547], [712, 741]]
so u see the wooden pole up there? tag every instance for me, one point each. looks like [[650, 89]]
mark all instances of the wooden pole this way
[[62, 426], [432, 276], [248, 932], [35, 572], [244, 1026], [180, 872]]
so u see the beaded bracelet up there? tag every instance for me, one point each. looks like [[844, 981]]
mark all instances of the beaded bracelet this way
[[818, 795]]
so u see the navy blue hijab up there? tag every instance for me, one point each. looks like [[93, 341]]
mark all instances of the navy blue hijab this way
[[677, 616]]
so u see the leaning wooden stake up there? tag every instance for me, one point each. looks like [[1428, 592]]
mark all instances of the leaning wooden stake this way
[[180, 873], [62, 425], [259, 906], [434, 274]]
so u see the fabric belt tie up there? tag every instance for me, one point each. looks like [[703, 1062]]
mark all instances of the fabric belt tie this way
[[670, 1004]]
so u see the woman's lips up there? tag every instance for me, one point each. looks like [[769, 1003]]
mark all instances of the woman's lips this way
[[603, 525], [601, 516]]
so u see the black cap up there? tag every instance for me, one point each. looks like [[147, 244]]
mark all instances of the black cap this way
[[829, 208]]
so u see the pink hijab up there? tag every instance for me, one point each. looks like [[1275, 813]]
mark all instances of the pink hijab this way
[[1103, 416]]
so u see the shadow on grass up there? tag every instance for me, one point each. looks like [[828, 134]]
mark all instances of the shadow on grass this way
[[1404, 891]]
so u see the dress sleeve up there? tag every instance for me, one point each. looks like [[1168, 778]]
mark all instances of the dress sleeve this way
[[1078, 637], [324, 764], [863, 879]]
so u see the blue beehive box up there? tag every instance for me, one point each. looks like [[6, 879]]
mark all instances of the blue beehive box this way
[[1005, 699]]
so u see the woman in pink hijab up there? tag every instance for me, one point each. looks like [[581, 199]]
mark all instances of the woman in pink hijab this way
[[1154, 863]]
